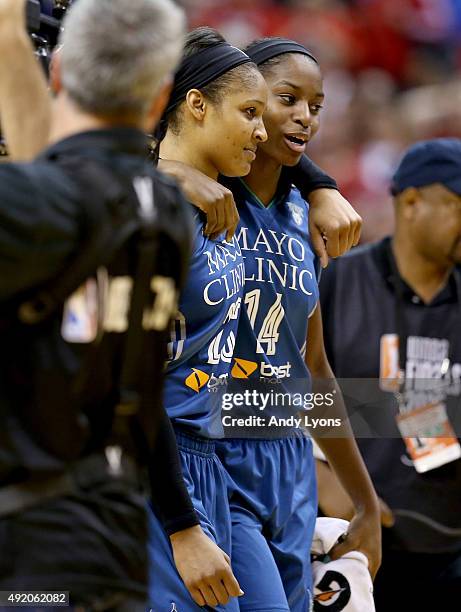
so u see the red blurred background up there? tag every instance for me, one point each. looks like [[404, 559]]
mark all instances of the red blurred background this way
[[392, 73]]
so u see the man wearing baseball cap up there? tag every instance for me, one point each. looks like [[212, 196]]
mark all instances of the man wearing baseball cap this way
[[392, 312]]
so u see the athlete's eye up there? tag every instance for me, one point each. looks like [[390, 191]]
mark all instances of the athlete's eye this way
[[251, 112], [315, 108], [287, 98]]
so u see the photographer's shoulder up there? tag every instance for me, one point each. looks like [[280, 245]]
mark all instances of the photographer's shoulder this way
[[175, 208]]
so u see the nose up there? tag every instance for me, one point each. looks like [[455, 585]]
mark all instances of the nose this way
[[260, 134], [303, 115]]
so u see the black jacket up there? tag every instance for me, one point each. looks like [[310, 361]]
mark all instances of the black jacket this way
[[57, 388], [359, 295]]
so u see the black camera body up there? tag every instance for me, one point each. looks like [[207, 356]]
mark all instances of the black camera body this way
[[44, 18], [33, 15], [43, 23]]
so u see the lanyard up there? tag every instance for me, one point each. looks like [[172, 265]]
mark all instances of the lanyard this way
[[401, 328], [399, 309]]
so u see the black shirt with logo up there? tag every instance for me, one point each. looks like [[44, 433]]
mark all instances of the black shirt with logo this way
[[362, 299], [52, 415]]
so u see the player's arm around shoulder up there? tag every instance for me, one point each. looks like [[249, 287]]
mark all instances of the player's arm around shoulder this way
[[334, 225], [215, 200], [345, 460]]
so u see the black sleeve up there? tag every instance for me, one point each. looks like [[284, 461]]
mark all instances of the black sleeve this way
[[308, 177], [327, 300], [169, 493]]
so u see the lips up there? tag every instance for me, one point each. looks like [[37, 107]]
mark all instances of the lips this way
[[250, 153], [296, 141]]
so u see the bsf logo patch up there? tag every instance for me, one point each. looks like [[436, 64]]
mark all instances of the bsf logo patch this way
[[196, 380], [243, 368], [335, 593]]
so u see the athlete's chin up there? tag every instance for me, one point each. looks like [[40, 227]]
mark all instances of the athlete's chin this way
[[240, 170], [293, 162], [288, 156], [290, 160]]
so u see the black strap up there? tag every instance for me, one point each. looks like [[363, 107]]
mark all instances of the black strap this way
[[112, 215], [81, 476], [108, 196], [130, 395], [24, 496]]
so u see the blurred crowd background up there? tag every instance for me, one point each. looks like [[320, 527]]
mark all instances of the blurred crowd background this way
[[392, 76]]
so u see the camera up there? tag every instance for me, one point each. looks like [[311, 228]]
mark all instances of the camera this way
[[43, 18]]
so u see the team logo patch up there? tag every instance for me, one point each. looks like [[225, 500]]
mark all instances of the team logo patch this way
[[333, 593], [196, 380], [296, 212], [243, 368], [81, 314]]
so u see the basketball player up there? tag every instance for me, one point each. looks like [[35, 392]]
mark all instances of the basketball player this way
[[273, 490], [214, 124]]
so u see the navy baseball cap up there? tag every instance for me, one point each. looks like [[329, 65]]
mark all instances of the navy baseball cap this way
[[428, 162]]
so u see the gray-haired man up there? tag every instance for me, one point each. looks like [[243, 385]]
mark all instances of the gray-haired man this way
[[71, 508]]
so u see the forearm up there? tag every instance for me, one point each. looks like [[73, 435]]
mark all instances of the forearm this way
[[341, 451], [173, 169], [24, 100], [333, 499], [346, 462]]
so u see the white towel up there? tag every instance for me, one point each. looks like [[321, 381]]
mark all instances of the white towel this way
[[343, 585]]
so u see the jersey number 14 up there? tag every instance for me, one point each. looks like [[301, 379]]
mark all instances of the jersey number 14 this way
[[268, 334]]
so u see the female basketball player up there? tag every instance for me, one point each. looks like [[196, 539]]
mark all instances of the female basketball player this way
[[273, 490], [214, 125]]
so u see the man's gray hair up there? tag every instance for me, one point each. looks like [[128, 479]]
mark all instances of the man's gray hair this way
[[116, 54]]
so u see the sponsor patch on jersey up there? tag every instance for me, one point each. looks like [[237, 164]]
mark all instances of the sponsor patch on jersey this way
[[197, 380], [243, 368]]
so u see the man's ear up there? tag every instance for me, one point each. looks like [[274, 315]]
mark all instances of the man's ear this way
[[196, 104], [158, 105], [407, 202], [55, 72]]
